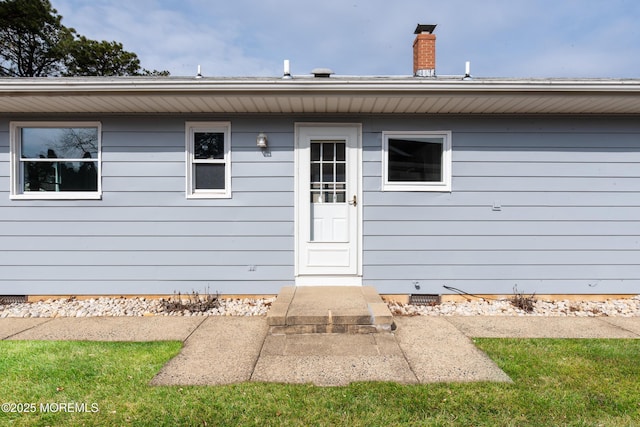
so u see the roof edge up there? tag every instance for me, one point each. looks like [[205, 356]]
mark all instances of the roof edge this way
[[343, 84]]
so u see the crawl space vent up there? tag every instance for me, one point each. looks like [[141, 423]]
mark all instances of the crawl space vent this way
[[12, 299], [424, 299]]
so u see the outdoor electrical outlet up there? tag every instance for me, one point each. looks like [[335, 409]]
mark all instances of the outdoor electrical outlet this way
[[252, 268]]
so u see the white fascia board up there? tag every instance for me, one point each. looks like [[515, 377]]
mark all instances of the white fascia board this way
[[148, 86]]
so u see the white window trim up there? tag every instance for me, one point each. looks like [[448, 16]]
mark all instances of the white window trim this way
[[16, 178], [190, 129], [442, 186]]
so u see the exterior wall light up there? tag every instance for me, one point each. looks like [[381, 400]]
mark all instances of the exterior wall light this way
[[261, 140]]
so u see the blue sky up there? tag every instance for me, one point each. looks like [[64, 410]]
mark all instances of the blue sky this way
[[501, 38]]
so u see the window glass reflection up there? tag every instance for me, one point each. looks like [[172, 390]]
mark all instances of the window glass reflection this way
[[64, 143], [415, 160], [208, 145], [210, 176], [60, 176]]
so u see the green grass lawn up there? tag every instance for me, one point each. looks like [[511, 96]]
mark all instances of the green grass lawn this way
[[556, 382]]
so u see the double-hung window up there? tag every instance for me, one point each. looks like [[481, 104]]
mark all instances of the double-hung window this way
[[55, 160], [416, 161], [208, 148]]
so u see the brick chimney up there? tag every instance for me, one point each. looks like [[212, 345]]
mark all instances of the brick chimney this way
[[424, 51]]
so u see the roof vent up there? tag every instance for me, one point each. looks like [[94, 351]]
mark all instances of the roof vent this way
[[322, 72]]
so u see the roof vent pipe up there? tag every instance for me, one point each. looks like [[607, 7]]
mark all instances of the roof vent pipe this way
[[287, 70], [424, 51], [467, 71]]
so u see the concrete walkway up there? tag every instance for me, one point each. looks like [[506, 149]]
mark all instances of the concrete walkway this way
[[223, 350]]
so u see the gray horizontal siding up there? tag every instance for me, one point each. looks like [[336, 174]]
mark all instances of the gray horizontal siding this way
[[506, 286], [96, 286], [504, 228], [567, 190], [504, 257], [532, 241], [237, 244], [196, 273], [515, 213], [516, 183], [545, 183], [144, 235], [567, 217], [505, 272], [112, 201], [185, 257], [545, 154], [149, 228], [161, 184], [582, 199]]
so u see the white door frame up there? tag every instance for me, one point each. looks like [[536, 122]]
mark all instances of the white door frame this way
[[302, 195]]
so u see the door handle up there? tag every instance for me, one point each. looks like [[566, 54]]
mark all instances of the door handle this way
[[354, 202]]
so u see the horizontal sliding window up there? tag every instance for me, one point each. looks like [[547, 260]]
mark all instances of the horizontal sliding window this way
[[208, 159], [55, 160], [416, 161]]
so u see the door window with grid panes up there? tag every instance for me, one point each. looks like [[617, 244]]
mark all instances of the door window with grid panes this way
[[328, 172]]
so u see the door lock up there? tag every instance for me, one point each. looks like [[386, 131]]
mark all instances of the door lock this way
[[354, 202]]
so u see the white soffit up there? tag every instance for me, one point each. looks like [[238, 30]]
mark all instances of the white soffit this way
[[362, 95]]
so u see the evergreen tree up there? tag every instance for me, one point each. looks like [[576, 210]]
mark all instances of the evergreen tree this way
[[100, 58], [34, 43]]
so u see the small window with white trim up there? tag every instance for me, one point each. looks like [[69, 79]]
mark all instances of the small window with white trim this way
[[55, 160], [416, 161], [208, 159]]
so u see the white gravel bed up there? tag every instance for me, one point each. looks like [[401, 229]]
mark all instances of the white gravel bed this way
[[106, 307], [481, 307], [99, 307]]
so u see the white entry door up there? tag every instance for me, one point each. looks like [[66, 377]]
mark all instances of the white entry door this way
[[328, 208]]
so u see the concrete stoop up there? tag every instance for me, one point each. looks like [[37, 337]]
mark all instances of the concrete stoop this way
[[329, 309]]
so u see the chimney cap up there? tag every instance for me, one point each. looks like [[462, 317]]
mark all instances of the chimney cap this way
[[428, 28]]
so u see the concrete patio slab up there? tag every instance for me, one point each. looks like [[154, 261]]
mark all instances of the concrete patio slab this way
[[112, 329], [438, 352], [631, 324], [538, 327], [12, 326], [332, 359], [223, 350]]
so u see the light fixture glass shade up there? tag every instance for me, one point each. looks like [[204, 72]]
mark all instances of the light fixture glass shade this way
[[261, 140]]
